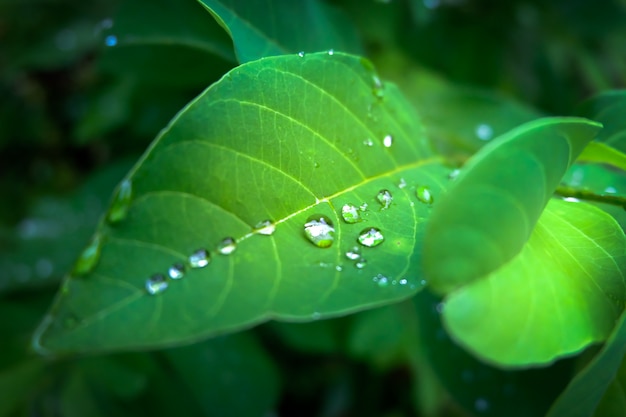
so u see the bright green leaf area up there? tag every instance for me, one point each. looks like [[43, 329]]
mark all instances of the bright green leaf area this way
[[564, 291], [278, 139], [490, 210], [599, 152], [256, 36]]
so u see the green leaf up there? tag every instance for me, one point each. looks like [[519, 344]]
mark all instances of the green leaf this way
[[600, 153], [584, 392], [564, 291], [222, 371], [608, 108], [489, 212], [279, 139], [306, 25]]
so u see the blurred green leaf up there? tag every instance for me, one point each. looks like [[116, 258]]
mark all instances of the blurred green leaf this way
[[16, 384], [598, 152], [265, 158], [320, 336], [228, 376], [306, 25], [609, 109], [502, 188]]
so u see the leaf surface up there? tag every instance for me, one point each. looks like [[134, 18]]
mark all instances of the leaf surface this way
[[279, 139], [564, 291], [490, 210], [306, 25], [608, 108]]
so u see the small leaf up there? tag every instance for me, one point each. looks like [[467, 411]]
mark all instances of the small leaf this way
[[304, 25], [601, 153], [284, 140], [489, 212], [564, 291]]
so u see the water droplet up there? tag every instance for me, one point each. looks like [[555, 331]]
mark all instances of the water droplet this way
[[379, 88], [301, 54], [363, 207], [331, 52], [44, 268], [481, 405], [199, 259], [265, 227], [89, 258], [350, 213], [368, 142], [338, 268], [121, 202], [319, 230], [227, 246], [610, 190], [484, 131], [423, 282], [454, 174], [370, 237], [156, 284], [316, 165], [110, 40], [354, 253], [382, 280], [403, 281], [385, 198], [402, 183], [176, 271], [361, 263], [424, 195], [571, 199], [388, 141]]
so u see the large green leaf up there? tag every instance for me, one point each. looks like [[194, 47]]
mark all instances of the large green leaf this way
[[583, 394], [305, 25], [279, 139], [564, 291], [490, 210]]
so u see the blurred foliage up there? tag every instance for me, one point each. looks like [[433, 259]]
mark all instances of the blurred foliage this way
[[87, 85]]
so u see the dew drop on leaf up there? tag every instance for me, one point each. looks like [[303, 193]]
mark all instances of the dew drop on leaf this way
[[385, 198], [156, 284], [301, 54], [370, 237], [176, 271], [354, 253], [454, 174], [368, 142], [319, 230], [265, 227], [350, 213], [331, 52], [403, 281], [121, 202], [484, 131], [382, 280], [338, 268], [402, 183], [388, 141], [199, 259], [363, 207], [89, 258], [227, 246], [110, 40], [361, 263], [424, 194]]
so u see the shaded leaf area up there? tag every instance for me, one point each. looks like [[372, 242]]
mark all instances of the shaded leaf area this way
[[42, 247], [490, 210], [478, 387], [586, 390], [307, 25], [242, 153], [608, 108], [562, 292]]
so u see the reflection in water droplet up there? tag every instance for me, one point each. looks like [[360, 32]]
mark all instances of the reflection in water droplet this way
[[301, 54], [368, 142], [424, 195], [156, 284], [350, 213], [484, 131], [89, 258], [402, 183], [370, 237], [199, 259], [388, 141], [361, 263], [110, 40], [354, 253], [331, 52], [319, 230], [265, 227], [385, 198], [481, 405], [227, 246], [176, 271], [121, 202]]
